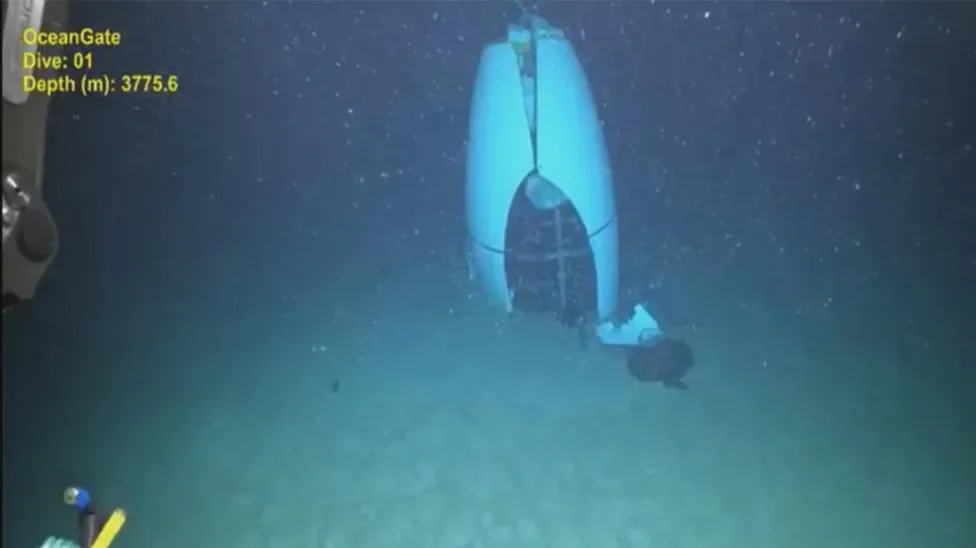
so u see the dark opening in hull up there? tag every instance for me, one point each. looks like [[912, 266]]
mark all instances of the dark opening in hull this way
[[548, 262]]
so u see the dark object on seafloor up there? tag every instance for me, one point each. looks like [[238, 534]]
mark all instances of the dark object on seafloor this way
[[665, 360], [335, 386]]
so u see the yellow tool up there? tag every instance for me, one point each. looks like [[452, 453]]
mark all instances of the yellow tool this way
[[110, 529]]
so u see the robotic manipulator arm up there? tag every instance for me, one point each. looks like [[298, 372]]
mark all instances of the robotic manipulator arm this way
[[95, 529], [30, 235]]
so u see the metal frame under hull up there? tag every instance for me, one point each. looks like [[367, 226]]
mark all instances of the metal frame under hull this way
[[549, 264]]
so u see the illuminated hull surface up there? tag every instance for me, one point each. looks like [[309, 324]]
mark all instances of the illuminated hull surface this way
[[566, 150]]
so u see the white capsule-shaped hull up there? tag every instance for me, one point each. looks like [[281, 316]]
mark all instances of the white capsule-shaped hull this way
[[568, 152]]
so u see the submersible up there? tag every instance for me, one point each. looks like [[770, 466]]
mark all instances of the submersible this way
[[540, 207]]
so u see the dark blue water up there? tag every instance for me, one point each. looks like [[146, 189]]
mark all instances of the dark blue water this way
[[257, 334]]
